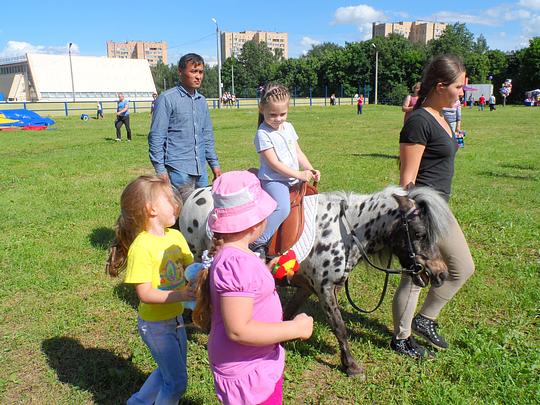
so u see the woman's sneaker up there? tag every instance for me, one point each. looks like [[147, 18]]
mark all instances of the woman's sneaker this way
[[409, 347], [427, 328]]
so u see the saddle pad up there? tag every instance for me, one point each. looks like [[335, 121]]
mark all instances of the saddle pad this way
[[304, 245]]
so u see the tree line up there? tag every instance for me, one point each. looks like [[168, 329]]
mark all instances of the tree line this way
[[346, 70]]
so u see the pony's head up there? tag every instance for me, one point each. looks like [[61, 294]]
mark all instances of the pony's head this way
[[424, 220]]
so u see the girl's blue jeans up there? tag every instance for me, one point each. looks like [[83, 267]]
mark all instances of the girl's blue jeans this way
[[167, 342], [279, 191]]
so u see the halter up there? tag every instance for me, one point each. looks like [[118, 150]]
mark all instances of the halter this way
[[414, 270]]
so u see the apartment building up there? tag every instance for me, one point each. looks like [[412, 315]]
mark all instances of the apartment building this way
[[418, 32], [232, 42], [153, 52]]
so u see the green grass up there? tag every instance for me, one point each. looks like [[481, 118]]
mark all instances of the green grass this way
[[69, 332]]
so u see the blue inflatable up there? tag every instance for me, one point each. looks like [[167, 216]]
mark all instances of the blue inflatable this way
[[23, 118]]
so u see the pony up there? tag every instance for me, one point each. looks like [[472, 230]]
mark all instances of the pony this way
[[349, 227]]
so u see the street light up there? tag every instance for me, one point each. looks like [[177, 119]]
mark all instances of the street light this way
[[232, 62], [71, 69], [376, 71], [218, 60]]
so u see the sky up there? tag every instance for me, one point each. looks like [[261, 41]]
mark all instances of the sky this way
[[49, 26]]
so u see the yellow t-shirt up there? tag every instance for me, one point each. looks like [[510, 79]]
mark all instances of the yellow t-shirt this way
[[159, 260]]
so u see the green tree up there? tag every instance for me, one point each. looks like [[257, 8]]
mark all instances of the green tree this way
[[258, 66], [456, 39], [530, 67], [165, 76]]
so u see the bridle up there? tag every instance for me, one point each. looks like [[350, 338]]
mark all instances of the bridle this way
[[415, 270]]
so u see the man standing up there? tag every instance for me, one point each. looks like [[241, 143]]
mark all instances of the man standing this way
[[181, 138], [122, 118]]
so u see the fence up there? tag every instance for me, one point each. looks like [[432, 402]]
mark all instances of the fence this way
[[70, 108]]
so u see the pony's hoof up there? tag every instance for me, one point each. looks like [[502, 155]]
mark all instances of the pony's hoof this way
[[357, 372]]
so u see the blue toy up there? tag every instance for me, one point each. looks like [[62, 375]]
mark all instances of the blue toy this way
[[191, 273]]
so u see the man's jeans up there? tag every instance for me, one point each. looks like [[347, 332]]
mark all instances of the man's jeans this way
[[167, 342], [181, 179]]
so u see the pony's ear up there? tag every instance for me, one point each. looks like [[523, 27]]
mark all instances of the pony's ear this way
[[404, 203]]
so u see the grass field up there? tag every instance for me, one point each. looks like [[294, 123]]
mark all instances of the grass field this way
[[69, 331]]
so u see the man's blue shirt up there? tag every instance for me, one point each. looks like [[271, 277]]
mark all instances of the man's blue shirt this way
[[181, 134], [121, 105]]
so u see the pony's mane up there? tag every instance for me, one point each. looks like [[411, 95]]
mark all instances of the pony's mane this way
[[438, 214]]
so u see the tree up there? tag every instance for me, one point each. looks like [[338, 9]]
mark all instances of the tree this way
[[258, 64], [165, 76], [456, 39], [530, 70]]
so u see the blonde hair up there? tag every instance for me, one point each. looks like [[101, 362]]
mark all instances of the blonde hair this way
[[272, 93], [134, 214]]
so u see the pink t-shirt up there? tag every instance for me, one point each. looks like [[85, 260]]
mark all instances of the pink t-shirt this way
[[243, 374]]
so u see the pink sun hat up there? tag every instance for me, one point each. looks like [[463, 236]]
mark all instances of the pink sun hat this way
[[239, 202]]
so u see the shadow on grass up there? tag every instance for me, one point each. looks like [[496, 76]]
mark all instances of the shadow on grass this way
[[110, 379], [127, 294], [101, 237], [376, 155], [491, 173], [370, 329]]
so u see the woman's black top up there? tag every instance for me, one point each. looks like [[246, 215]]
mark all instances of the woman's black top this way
[[437, 164]]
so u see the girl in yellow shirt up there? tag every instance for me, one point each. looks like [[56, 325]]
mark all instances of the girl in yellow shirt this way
[[154, 257]]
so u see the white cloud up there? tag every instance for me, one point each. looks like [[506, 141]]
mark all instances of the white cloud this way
[[362, 16], [531, 4], [307, 43], [452, 17], [19, 48], [532, 28]]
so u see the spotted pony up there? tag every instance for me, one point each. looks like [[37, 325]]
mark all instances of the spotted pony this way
[[345, 221]]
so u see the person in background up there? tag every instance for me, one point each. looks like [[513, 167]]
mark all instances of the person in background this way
[[181, 138], [492, 102], [452, 115], [427, 151], [410, 101], [99, 110], [481, 103], [360, 104], [153, 105], [122, 118]]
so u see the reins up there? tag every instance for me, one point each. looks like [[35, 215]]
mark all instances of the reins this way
[[414, 269]]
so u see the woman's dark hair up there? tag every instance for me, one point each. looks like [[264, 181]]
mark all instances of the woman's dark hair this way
[[441, 69]]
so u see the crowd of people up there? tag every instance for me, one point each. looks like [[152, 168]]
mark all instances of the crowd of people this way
[[236, 297]]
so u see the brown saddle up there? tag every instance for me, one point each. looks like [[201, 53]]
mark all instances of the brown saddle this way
[[291, 229]]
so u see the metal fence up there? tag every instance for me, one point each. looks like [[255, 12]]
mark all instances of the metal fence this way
[[70, 108]]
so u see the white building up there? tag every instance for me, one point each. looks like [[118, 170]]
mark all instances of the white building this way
[[42, 77]]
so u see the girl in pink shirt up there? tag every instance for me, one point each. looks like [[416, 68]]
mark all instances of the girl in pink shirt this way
[[238, 301], [410, 101]]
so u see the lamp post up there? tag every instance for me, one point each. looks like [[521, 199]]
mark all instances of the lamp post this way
[[71, 69], [232, 63], [218, 61], [376, 71]]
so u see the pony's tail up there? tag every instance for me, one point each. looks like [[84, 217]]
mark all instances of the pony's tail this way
[[202, 314]]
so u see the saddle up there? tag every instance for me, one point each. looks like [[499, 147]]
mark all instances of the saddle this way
[[291, 229]]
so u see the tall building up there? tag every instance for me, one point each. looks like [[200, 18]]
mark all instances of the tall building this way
[[418, 32], [151, 51], [232, 42]]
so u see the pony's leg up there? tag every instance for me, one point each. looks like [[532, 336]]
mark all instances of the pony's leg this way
[[300, 296], [329, 303]]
